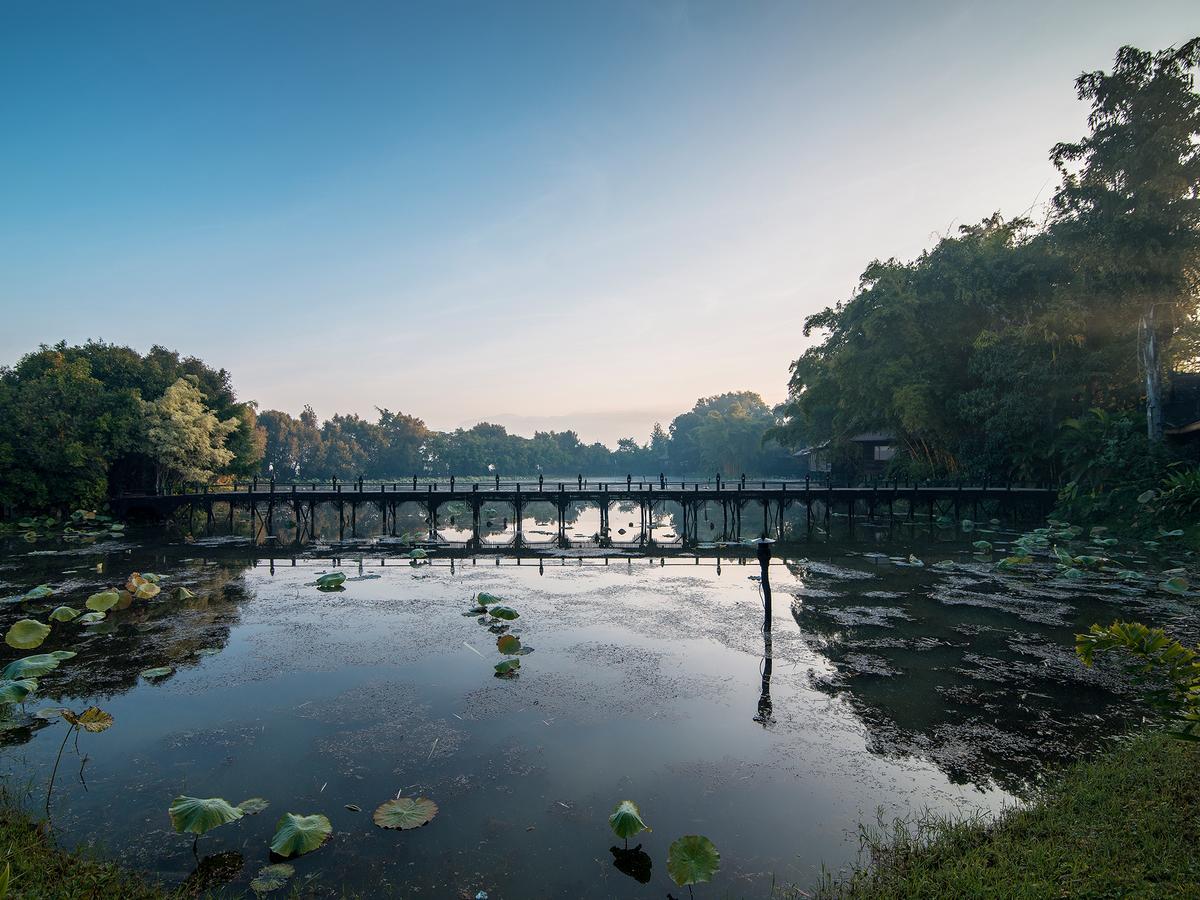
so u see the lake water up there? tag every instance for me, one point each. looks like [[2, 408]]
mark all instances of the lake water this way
[[892, 690]]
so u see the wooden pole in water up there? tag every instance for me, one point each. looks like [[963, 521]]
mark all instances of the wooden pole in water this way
[[764, 564]]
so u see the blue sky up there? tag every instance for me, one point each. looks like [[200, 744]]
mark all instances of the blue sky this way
[[539, 213]]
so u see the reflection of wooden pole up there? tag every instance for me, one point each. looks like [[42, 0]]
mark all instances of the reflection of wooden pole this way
[[764, 562]]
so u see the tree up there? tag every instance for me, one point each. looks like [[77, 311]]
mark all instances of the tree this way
[[1131, 212], [185, 438]]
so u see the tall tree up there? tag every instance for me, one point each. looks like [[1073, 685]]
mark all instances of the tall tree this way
[[185, 438]]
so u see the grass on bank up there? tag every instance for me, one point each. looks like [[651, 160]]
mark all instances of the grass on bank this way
[[1124, 824]]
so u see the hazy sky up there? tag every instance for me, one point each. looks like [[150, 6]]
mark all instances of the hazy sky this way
[[540, 214]]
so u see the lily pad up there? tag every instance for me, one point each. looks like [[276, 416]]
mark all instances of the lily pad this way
[[41, 592], [147, 591], [417, 553], [486, 599], [33, 666], [405, 813], [26, 634], [1176, 585], [63, 614], [183, 594], [91, 618], [296, 834], [157, 672], [253, 806], [103, 601], [692, 859], [196, 815], [331, 580], [271, 878], [626, 820], [93, 719], [51, 712], [16, 690], [504, 612], [508, 644], [508, 668]]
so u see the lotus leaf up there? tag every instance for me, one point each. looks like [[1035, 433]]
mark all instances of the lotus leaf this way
[[271, 878], [197, 816], [507, 668], [91, 618], [51, 712], [63, 614], [14, 691], [626, 820], [33, 666], [486, 599], [1176, 585], [983, 546], [405, 813], [331, 580], [417, 553], [103, 602], [25, 523], [1064, 557], [504, 612], [147, 591], [508, 644], [135, 581], [295, 834], [157, 673], [967, 525], [692, 859], [253, 806], [184, 594], [93, 719], [26, 634], [152, 578], [41, 592]]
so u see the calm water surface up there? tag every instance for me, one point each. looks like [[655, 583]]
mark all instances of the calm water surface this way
[[892, 690]]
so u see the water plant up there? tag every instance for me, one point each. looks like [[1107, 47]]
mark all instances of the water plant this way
[[271, 878], [296, 834], [26, 634], [626, 821], [92, 720], [200, 815], [692, 859], [405, 813], [331, 581], [507, 668]]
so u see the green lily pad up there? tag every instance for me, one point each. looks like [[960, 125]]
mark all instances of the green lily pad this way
[[417, 553], [1176, 585], [692, 859], [486, 599], [983, 546], [253, 806], [16, 690], [508, 668], [271, 878], [147, 591], [33, 666], [157, 672], [295, 834], [405, 813], [331, 580], [626, 820], [508, 644], [103, 601], [183, 594], [197, 815], [153, 578], [41, 592], [64, 614], [91, 618], [504, 612], [26, 634]]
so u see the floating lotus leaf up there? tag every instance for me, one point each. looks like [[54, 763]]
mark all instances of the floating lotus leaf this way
[[33, 666], [504, 612], [91, 618], [692, 859], [157, 673], [183, 594], [30, 536], [253, 806], [93, 719], [486, 599], [41, 592], [51, 712], [26, 523], [626, 820], [331, 580], [26, 634], [103, 602], [116, 526], [405, 813], [1073, 574], [271, 878], [1064, 557], [198, 816], [1176, 585], [983, 546], [152, 578], [508, 668], [508, 644], [147, 591], [14, 691], [295, 834], [417, 553], [64, 614], [1012, 562], [135, 581]]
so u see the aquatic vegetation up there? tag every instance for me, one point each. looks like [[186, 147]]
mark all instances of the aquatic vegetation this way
[[331, 581], [157, 673], [41, 592], [626, 821], [63, 614], [92, 720], [508, 668], [504, 612], [91, 618], [200, 815], [296, 834], [508, 644], [983, 546], [147, 591], [692, 859], [33, 666], [405, 813], [271, 878], [253, 806], [16, 690], [26, 634], [103, 601]]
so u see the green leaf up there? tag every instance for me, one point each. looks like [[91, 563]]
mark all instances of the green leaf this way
[[983, 546], [91, 618], [405, 813], [63, 614], [103, 601], [486, 599], [508, 644], [508, 668], [92, 720], [14, 691], [417, 553], [295, 834], [196, 815], [157, 673], [183, 594], [1175, 585], [626, 820], [147, 590], [271, 878], [33, 666], [331, 580], [26, 634], [253, 806], [504, 612], [41, 592], [692, 859]]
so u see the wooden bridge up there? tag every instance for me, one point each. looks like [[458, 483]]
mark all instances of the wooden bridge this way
[[739, 503]]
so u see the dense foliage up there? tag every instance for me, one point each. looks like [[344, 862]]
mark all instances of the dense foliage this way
[[977, 354]]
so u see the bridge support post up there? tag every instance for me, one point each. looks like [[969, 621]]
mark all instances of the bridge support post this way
[[476, 508]]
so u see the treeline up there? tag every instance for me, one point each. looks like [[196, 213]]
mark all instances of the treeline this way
[[987, 355], [80, 423]]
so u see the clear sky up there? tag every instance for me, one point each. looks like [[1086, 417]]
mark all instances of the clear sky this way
[[543, 214]]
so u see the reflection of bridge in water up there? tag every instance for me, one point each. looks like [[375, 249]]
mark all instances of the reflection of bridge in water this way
[[742, 509]]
